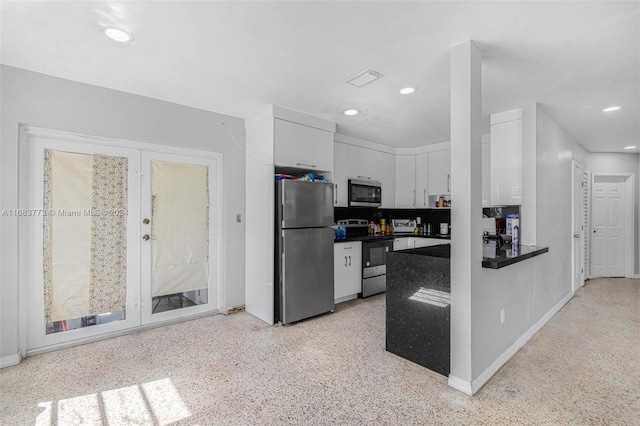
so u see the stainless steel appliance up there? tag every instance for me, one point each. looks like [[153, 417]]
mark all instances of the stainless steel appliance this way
[[355, 227], [304, 250], [374, 265], [365, 193]]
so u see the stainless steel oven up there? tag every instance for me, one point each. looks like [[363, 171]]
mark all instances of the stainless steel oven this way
[[374, 265], [365, 193]]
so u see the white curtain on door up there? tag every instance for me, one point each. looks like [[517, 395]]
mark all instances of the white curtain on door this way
[[180, 227], [84, 234]]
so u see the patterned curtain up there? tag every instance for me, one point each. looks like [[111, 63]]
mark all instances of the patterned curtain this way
[[85, 236]]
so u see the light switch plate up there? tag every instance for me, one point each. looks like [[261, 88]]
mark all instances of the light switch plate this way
[[239, 218]]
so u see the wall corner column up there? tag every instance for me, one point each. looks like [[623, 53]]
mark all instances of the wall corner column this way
[[466, 202]]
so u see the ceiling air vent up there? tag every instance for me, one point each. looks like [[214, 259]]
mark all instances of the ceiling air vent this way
[[365, 77]]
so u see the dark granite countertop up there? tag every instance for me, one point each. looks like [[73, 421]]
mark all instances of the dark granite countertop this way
[[391, 237], [442, 250], [496, 257]]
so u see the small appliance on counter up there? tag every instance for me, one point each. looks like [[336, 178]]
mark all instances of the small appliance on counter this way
[[403, 226]]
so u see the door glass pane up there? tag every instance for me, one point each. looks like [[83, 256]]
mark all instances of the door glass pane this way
[[85, 239], [179, 235]]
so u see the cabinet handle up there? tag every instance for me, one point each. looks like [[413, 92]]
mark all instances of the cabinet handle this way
[[345, 261], [336, 188], [305, 164], [414, 198], [425, 198], [364, 177], [448, 183], [349, 260]]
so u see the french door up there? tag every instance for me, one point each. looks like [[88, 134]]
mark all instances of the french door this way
[[117, 238]]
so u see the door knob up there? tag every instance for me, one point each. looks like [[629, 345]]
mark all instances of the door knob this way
[[146, 237]]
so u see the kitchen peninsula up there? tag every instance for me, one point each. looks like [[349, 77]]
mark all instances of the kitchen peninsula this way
[[419, 299]]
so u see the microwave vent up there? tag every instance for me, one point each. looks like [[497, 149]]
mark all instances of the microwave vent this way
[[365, 77]]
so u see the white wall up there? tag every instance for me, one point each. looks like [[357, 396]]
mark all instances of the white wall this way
[[620, 163], [530, 289], [59, 104]]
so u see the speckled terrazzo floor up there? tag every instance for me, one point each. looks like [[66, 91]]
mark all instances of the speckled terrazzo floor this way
[[582, 368]]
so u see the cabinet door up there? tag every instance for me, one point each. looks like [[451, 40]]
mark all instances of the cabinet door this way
[[440, 172], [405, 181], [387, 175], [347, 279], [303, 147], [506, 163], [486, 174], [428, 242], [422, 180], [401, 244], [363, 163], [340, 174]]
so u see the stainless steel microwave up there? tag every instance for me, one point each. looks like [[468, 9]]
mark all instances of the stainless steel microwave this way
[[365, 193]]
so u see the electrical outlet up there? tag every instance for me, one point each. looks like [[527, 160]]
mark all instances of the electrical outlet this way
[[502, 317], [239, 218]]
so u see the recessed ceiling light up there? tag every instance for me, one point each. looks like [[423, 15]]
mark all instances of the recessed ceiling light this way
[[117, 34], [351, 112], [630, 147], [407, 90], [613, 108]]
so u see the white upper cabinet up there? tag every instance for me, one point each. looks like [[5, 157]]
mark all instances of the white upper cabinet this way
[[405, 181], [340, 174], [387, 176], [439, 172], [506, 158], [422, 180], [363, 163], [303, 147]]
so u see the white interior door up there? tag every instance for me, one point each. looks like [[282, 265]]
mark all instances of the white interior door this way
[[180, 230], [83, 253], [578, 226], [608, 225]]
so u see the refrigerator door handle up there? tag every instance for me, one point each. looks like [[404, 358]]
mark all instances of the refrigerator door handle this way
[[345, 261]]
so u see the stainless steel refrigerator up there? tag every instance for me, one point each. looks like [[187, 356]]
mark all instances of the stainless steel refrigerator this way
[[304, 250]]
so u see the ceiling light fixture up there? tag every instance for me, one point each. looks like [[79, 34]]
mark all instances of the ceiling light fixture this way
[[613, 108], [351, 112], [630, 147], [117, 34], [407, 90]]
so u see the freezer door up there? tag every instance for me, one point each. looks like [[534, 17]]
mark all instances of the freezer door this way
[[306, 283], [305, 204]]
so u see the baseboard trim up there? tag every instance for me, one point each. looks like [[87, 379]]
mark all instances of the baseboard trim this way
[[8, 361], [511, 351], [461, 385]]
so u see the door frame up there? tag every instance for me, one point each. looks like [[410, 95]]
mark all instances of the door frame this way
[[575, 164], [26, 133], [629, 222]]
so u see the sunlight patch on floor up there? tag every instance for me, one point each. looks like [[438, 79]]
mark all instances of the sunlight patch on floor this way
[[156, 402]]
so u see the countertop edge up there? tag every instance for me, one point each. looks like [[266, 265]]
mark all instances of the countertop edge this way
[[492, 263]]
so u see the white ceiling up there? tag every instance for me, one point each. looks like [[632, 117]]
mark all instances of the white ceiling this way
[[574, 58]]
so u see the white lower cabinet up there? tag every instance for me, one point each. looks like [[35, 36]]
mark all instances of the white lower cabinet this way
[[405, 243], [401, 244], [347, 270]]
